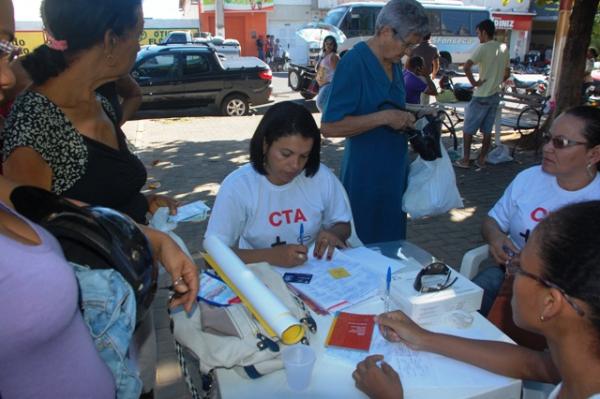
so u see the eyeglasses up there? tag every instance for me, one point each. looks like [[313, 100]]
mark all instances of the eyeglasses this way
[[560, 142], [433, 269], [9, 51], [407, 45], [512, 270]]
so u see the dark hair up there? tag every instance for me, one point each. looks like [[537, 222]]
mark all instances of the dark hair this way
[[281, 120], [416, 61], [593, 51], [569, 248], [591, 117], [487, 26], [427, 37], [82, 24], [330, 38]]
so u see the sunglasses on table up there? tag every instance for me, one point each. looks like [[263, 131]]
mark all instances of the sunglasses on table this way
[[9, 51], [560, 142], [512, 270], [440, 269]]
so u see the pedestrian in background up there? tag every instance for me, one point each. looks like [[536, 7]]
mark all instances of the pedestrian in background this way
[[431, 61], [369, 77], [325, 70], [260, 47], [480, 114], [417, 81]]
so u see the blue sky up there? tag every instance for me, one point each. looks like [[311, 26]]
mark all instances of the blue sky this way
[[29, 10]]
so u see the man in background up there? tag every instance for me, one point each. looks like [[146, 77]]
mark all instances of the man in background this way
[[480, 114], [431, 59]]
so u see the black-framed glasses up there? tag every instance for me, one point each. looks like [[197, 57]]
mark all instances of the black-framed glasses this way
[[425, 281], [407, 45], [512, 270], [560, 142], [9, 51]]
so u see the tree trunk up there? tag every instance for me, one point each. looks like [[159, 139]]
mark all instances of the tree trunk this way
[[573, 58]]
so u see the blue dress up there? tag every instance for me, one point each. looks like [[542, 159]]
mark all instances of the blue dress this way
[[375, 164]]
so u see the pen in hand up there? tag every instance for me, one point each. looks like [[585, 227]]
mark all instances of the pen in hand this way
[[301, 237], [386, 300]]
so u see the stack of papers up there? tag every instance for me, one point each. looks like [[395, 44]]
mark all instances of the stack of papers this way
[[337, 283]]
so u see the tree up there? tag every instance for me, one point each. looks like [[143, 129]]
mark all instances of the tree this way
[[573, 57]]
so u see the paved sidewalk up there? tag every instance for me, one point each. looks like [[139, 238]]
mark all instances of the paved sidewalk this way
[[189, 157]]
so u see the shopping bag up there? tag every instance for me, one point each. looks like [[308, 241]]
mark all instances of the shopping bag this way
[[431, 187], [499, 154]]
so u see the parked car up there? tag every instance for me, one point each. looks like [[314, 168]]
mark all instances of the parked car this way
[[178, 37], [195, 75]]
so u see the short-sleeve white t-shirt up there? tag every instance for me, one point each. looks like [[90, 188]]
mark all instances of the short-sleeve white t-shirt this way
[[253, 213], [530, 197]]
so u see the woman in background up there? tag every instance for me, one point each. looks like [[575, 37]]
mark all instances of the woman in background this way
[[325, 70]]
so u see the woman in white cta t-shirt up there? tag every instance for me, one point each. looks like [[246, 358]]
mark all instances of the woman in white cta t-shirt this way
[[274, 208]]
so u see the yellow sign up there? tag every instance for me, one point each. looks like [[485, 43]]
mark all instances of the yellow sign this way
[[29, 40], [156, 36]]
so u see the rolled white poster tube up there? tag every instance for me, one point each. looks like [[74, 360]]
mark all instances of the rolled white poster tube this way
[[274, 316]]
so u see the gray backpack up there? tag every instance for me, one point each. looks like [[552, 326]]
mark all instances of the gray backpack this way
[[230, 337]]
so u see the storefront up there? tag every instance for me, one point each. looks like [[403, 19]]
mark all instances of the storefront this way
[[514, 29], [245, 20]]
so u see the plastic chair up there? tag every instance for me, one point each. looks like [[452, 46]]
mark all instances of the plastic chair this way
[[472, 260]]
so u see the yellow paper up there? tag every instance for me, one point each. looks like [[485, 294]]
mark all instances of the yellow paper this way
[[339, 272]]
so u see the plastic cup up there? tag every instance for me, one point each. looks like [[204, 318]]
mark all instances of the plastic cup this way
[[298, 361]]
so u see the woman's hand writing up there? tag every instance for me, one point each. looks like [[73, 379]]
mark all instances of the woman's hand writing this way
[[398, 327], [288, 255], [377, 381]]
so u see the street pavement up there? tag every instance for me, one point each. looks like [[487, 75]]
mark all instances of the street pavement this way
[[188, 157]]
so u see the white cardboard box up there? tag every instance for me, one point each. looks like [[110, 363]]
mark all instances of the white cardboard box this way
[[427, 307]]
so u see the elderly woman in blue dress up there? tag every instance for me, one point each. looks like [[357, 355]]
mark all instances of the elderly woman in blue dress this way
[[367, 79]]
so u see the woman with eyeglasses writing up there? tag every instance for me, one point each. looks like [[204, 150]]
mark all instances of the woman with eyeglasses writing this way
[[568, 174], [556, 293], [375, 166]]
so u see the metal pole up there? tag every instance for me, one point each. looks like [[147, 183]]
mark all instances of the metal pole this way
[[219, 18]]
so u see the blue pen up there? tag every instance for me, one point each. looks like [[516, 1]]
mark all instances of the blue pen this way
[[388, 282], [301, 238]]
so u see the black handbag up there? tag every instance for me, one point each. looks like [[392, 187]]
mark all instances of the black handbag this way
[[425, 142], [97, 237]]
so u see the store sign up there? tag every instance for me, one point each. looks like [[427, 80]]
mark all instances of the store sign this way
[[29, 40], [156, 36], [504, 24], [512, 21], [238, 5]]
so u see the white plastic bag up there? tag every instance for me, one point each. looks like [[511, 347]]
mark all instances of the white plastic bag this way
[[499, 154], [431, 188]]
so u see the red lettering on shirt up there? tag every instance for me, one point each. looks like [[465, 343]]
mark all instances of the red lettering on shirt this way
[[276, 218], [287, 213], [272, 220], [538, 214], [299, 217]]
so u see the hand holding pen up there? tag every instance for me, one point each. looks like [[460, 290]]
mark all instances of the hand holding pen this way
[[386, 301]]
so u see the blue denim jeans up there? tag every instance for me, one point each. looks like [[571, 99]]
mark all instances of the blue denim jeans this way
[[490, 280], [108, 305], [480, 114]]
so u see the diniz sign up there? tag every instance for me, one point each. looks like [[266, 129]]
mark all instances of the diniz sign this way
[[513, 21], [504, 24]]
